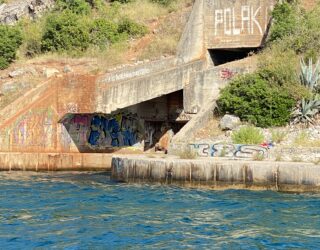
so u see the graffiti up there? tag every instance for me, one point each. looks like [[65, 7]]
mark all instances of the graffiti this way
[[124, 75], [229, 150], [238, 21], [227, 74], [35, 128], [99, 131]]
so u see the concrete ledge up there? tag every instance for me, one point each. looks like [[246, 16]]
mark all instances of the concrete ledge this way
[[54, 162], [218, 174]]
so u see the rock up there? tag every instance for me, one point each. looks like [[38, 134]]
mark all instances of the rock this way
[[8, 87], [49, 72], [67, 69], [14, 11], [164, 141], [229, 122], [32, 71], [16, 73]]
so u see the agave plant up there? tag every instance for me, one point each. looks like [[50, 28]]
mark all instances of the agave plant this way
[[306, 111], [310, 74]]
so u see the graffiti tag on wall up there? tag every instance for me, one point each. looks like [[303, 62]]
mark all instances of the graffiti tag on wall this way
[[100, 131], [228, 150], [245, 19], [35, 128], [227, 74]]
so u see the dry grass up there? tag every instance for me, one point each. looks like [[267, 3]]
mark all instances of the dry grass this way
[[303, 140], [209, 130], [142, 11], [296, 159], [278, 136], [110, 57], [187, 153], [258, 157]]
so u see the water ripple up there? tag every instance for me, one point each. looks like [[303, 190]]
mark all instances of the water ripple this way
[[88, 211]]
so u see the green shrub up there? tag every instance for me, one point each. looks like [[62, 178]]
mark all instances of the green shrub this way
[[131, 28], [247, 135], [10, 40], [254, 100], [80, 7], [103, 33], [163, 2], [65, 32], [285, 20], [122, 1], [278, 66]]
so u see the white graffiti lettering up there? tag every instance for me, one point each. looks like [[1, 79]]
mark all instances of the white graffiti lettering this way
[[246, 20]]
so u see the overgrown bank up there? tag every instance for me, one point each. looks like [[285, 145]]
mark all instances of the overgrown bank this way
[[97, 28], [285, 87]]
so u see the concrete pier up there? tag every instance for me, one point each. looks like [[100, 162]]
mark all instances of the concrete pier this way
[[54, 162], [218, 174]]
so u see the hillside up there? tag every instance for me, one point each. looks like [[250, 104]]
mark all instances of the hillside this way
[[162, 25]]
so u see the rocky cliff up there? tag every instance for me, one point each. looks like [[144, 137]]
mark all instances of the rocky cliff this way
[[14, 11]]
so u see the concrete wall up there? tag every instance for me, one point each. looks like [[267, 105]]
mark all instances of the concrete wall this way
[[111, 97], [205, 85], [132, 71], [54, 162], [279, 176], [191, 44], [236, 24], [68, 114]]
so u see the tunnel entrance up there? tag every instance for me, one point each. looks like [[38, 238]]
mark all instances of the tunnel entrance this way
[[222, 56]]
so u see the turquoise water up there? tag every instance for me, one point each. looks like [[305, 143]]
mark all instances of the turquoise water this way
[[88, 211]]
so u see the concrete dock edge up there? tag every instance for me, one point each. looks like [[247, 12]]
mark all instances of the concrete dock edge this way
[[218, 174]]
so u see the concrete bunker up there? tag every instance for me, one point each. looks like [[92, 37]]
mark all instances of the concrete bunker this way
[[222, 56], [142, 126]]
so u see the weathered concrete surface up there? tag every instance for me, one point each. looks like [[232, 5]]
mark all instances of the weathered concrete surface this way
[[54, 162], [71, 113], [203, 117], [236, 24], [111, 97], [217, 174], [206, 85], [131, 72], [191, 44]]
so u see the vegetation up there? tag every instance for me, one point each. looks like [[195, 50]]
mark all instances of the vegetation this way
[[277, 86], [10, 40], [306, 111], [254, 99], [248, 135], [278, 136], [258, 157], [303, 140], [65, 32], [96, 28], [187, 153], [309, 75]]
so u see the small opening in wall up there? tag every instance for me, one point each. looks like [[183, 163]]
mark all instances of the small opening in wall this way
[[222, 56]]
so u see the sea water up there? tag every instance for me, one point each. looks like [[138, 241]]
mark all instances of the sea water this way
[[89, 211]]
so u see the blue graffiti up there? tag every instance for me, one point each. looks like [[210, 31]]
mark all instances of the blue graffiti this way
[[108, 132]]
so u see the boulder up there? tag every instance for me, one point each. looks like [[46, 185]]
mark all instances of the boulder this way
[[67, 69], [16, 73], [229, 122], [49, 72], [14, 11]]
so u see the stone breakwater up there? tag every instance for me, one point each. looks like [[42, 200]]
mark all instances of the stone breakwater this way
[[218, 174]]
